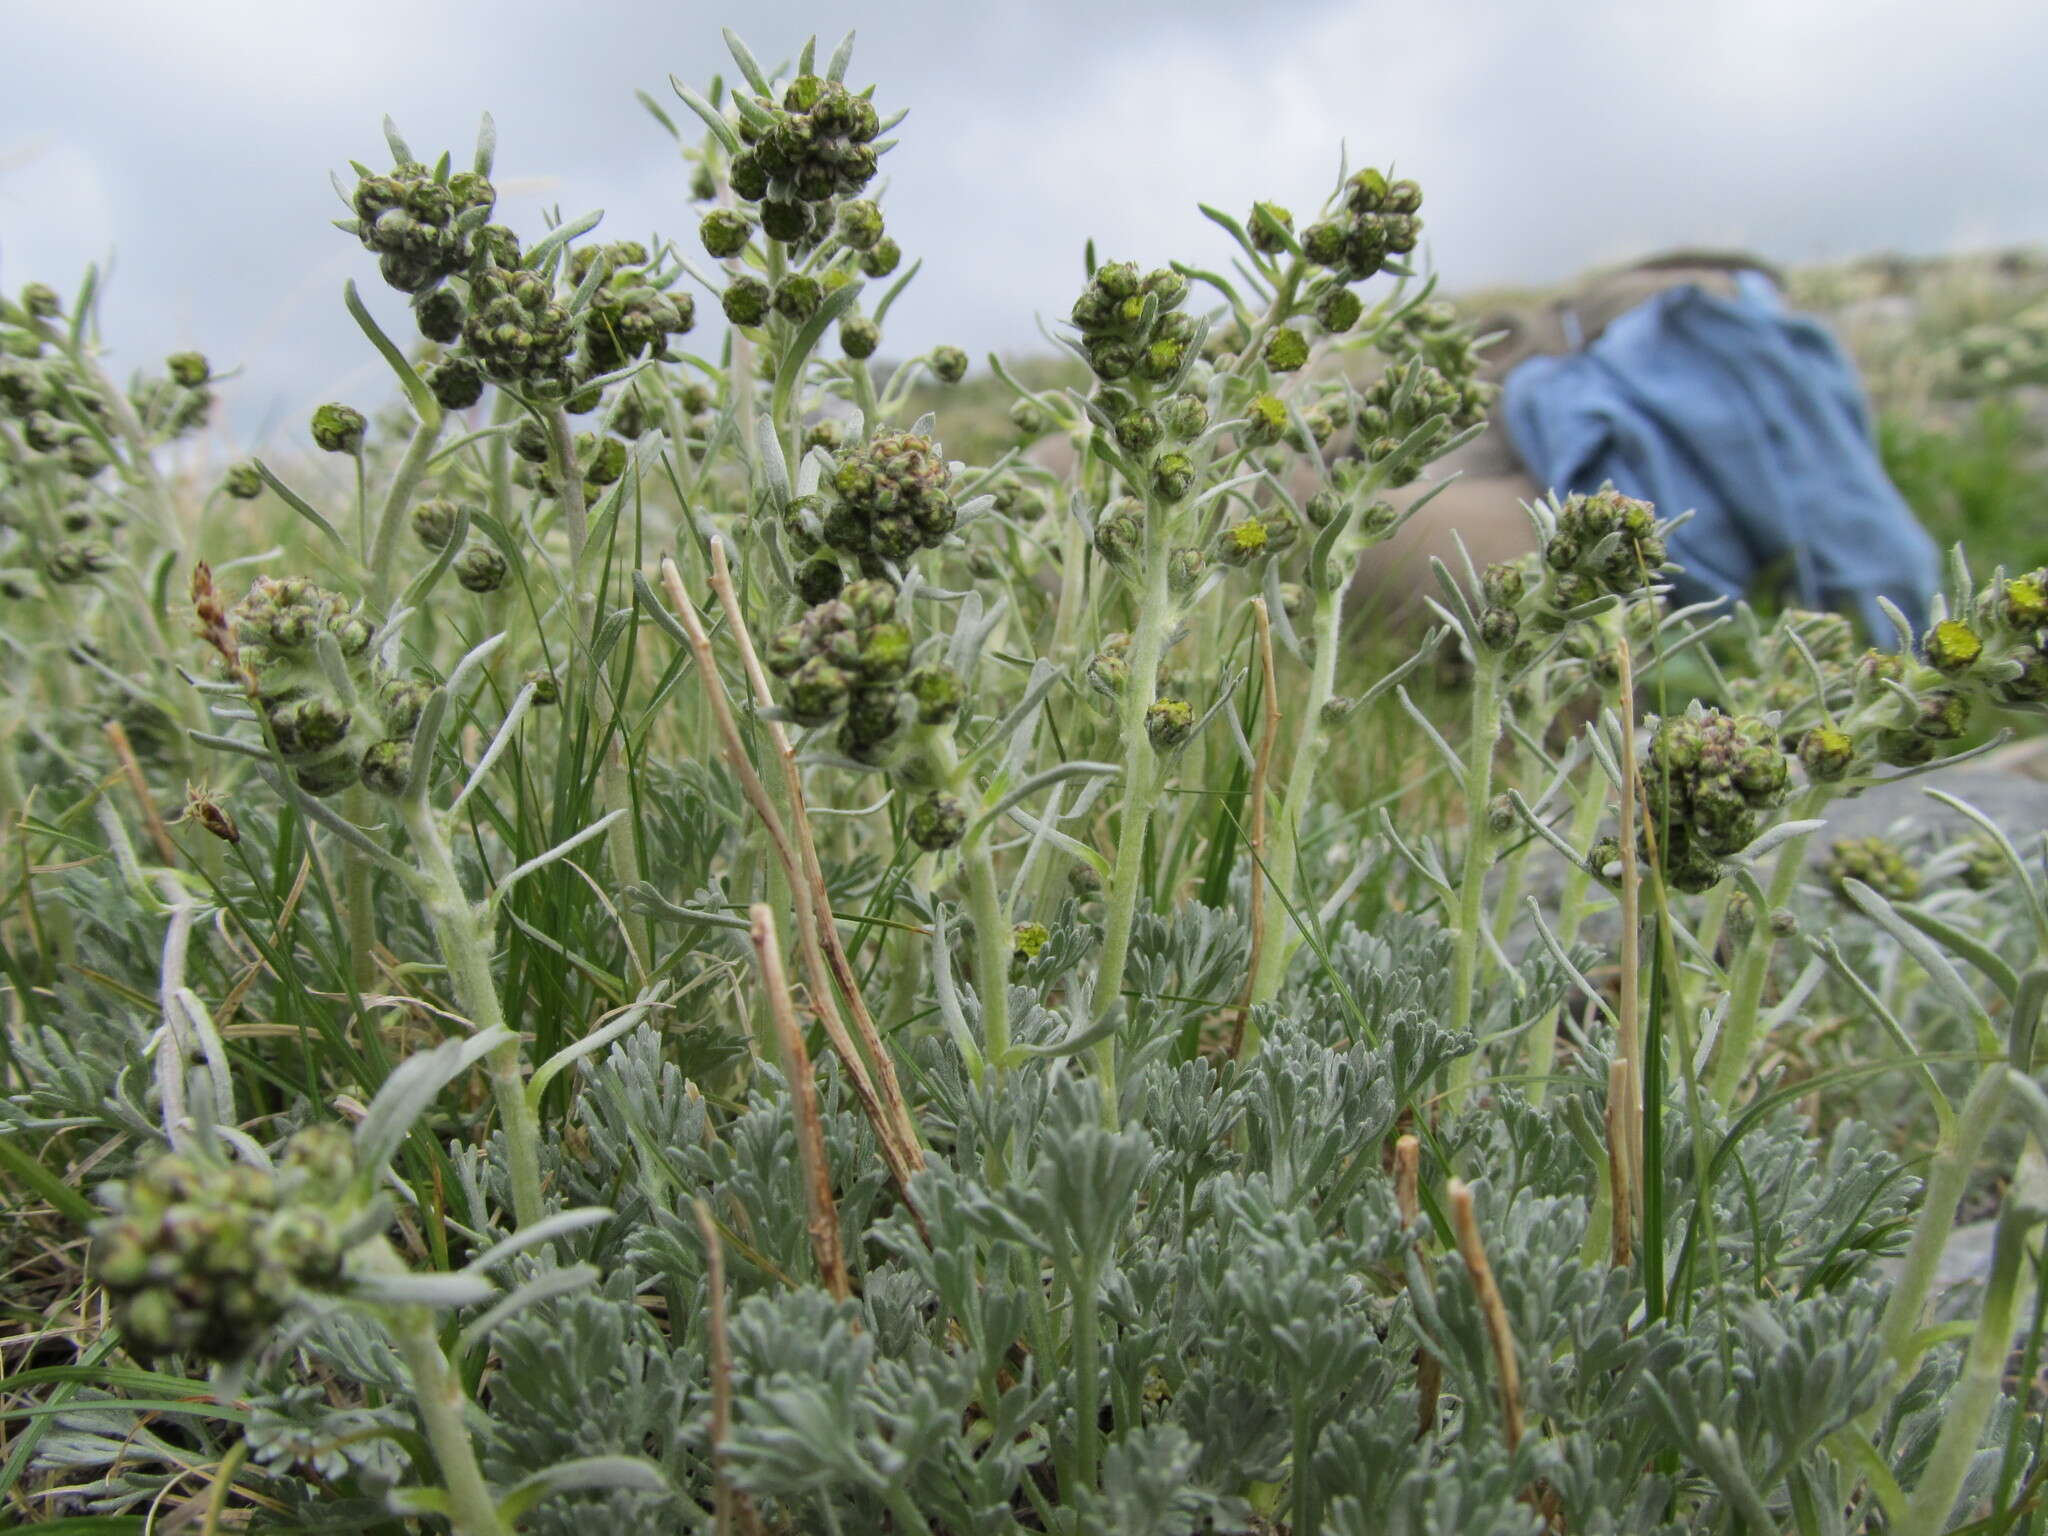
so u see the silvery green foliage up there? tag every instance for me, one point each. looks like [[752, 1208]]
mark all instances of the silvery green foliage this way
[[589, 1375]]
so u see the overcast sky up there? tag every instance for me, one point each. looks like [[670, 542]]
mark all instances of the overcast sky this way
[[191, 140]]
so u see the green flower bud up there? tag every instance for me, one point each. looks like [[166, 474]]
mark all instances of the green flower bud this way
[[1138, 431], [1266, 421], [748, 176], [1952, 647], [480, 568], [1174, 476], [1827, 754], [786, 221], [532, 441], [387, 767], [1944, 715], [1323, 243], [434, 522], [1338, 310], [937, 692], [1499, 628], [188, 369], [819, 580], [1502, 584], [1286, 350], [859, 336], [725, 232], [439, 314], [2023, 601], [1258, 229], [603, 462], [547, 688], [745, 300], [456, 382], [1119, 535], [1169, 722], [2031, 686], [860, 224], [872, 718], [1403, 197], [243, 482], [1109, 669], [1906, 749], [1029, 417], [797, 297], [1185, 417], [817, 692], [338, 428], [1185, 570], [41, 301], [1500, 816], [949, 363], [1242, 542], [880, 259], [937, 823]]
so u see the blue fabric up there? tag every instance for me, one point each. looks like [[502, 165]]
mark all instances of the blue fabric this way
[[1750, 417]]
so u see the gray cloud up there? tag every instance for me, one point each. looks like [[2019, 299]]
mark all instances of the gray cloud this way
[[193, 141]]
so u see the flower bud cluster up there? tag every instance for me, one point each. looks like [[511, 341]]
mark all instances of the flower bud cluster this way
[[1132, 325], [203, 1258], [1877, 862], [629, 317], [1711, 781], [889, 498], [1904, 711], [801, 157], [1997, 644], [1377, 221], [1603, 543], [329, 736], [848, 659], [1412, 396], [419, 225]]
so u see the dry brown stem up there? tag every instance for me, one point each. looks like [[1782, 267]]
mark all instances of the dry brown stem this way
[[821, 1211], [902, 1163], [1492, 1309], [815, 896]]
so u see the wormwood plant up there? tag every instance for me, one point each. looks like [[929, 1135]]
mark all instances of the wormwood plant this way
[[724, 970]]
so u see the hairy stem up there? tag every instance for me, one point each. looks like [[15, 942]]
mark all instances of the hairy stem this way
[[438, 1392], [1753, 967], [465, 946], [1983, 1382], [1947, 1176], [1141, 772], [1311, 744], [405, 480]]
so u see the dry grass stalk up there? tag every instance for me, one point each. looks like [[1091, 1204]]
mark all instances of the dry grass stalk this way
[[1429, 1371], [131, 770], [887, 1129], [1620, 1176], [812, 884], [1492, 1309], [732, 1505], [821, 1211]]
